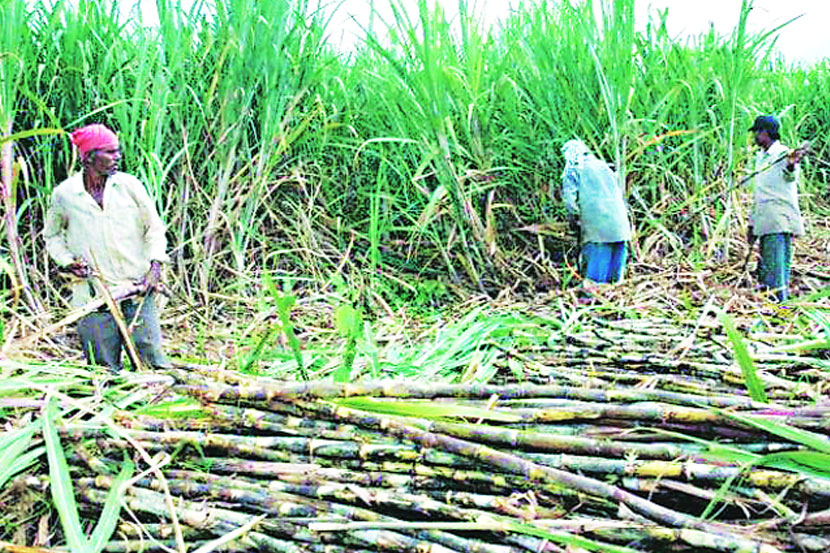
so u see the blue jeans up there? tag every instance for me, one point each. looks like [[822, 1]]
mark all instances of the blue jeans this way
[[604, 261], [774, 268]]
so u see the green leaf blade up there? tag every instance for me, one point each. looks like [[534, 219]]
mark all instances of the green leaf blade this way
[[60, 484], [753, 383], [112, 509]]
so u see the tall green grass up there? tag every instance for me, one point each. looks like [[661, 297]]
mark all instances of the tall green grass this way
[[15, 49], [420, 153]]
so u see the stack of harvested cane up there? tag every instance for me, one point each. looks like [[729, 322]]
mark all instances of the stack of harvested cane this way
[[396, 466], [689, 356]]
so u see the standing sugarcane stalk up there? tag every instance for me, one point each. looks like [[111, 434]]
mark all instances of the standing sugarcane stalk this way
[[736, 185], [8, 202]]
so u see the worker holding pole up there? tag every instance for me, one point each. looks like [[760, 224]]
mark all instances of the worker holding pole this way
[[104, 230], [775, 216]]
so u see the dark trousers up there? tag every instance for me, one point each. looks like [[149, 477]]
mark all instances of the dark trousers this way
[[774, 268], [604, 261], [102, 342]]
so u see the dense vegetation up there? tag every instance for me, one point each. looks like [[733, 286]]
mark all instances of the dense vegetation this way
[[428, 154], [386, 219]]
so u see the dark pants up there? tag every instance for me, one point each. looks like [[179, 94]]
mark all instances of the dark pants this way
[[604, 261], [774, 268], [102, 343]]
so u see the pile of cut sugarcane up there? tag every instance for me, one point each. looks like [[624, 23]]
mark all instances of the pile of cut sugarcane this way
[[414, 467], [692, 356], [632, 435]]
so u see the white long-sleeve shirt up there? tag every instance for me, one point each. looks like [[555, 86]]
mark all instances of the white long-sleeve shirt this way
[[120, 239], [775, 209]]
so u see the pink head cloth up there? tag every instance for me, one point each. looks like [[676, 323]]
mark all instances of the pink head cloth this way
[[93, 137]]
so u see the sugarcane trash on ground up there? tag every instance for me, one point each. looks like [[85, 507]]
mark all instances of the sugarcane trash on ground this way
[[629, 435]]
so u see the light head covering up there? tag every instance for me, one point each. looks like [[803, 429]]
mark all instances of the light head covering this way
[[93, 137], [574, 152]]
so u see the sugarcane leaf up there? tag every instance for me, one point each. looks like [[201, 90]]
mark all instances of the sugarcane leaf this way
[[12, 445], [343, 373], [60, 483], [480, 369], [28, 134], [753, 383], [347, 320], [564, 538], [112, 508], [12, 385], [271, 287], [806, 438], [139, 396], [435, 199], [720, 495], [516, 369], [804, 462], [425, 409], [230, 536], [716, 452], [256, 353], [823, 320], [284, 303], [182, 408], [23, 462]]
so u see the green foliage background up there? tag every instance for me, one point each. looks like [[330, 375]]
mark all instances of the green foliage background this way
[[418, 154]]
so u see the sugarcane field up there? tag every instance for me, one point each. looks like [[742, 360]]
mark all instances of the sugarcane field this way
[[554, 283]]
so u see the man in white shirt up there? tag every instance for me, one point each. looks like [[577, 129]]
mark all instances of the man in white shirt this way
[[103, 228], [775, 216]]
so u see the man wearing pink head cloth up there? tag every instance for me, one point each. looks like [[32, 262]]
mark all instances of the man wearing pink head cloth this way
[[103, 228]]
